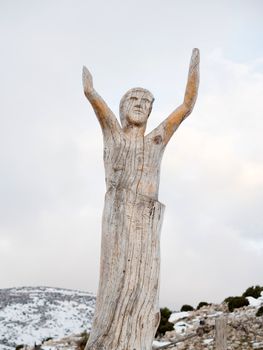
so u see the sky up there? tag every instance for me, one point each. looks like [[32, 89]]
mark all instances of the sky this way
[[52, 177]]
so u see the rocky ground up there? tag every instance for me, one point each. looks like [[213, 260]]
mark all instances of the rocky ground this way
[[244, 330]]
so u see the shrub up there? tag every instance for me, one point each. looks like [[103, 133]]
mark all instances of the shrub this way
[[164, 324], [236, 302], [165, 313], [84, 339], [254, 292], [20, 346], [46, 339], [228, 299], [187, 308], [201, 304], [260, 312]]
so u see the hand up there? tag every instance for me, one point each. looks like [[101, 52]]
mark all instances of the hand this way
[[87, 81], [195, 59], [192, 83]]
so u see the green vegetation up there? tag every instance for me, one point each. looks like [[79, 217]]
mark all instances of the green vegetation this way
[[164, 325], [254, 291], [201, 304], [240, 301], [47, 339], [187, 308], [19, 346], [236, 302], [260, 312]]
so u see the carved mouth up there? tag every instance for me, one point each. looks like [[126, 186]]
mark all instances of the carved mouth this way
[[138, 111]]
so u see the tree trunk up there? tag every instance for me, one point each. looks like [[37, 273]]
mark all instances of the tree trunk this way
[[127, 310]]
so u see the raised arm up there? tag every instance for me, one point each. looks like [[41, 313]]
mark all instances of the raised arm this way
[[170, 124], [104, 114]]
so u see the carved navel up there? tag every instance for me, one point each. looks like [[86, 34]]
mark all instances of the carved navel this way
[[157, 139]]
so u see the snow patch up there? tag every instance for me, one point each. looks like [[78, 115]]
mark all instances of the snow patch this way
[[31, 315], [157, 344], [178, 316], [255, 302]]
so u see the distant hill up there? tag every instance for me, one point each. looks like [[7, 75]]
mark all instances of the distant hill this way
[[31, 315]]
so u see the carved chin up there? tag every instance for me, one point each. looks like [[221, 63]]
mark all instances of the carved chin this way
[[137, 119]]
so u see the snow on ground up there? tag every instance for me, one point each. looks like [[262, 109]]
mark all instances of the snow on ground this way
[[30, 315], [216, 314], [255, 302], [157, 344], [181, 327], [178, 316], [4, 347]]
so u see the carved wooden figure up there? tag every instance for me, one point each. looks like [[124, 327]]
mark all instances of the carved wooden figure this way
[[127, 310]]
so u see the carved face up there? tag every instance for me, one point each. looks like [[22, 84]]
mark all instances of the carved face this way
[[135, 107]]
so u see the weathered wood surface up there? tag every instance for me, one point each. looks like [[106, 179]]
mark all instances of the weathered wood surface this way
[[129, 276], [127, 310], [221, 334]]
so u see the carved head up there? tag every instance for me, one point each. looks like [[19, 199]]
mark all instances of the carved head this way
[[135, 107]]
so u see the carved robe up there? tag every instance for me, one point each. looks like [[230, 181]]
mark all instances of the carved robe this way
[[130, 252]]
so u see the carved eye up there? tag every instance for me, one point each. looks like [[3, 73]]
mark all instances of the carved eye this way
[[146, 100], [133, 98]]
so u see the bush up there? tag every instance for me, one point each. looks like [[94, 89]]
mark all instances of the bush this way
[[187, 308], [164, 324], [236, 302], [46, 339], [201, 304], [227, 300], [254, 292], [84, 339], [165, 313], [20, 346], [260, 312]]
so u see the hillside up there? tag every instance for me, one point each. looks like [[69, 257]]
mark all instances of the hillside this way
[[30, 315]]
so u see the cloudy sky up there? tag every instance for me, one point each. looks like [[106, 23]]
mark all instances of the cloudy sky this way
[[52, 177]]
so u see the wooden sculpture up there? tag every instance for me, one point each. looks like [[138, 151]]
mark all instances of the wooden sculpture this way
[[127, 309]]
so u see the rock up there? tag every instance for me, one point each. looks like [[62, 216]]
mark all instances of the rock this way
[[244, 329]]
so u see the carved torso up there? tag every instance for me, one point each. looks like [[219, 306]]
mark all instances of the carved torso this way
[[133, 163]]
